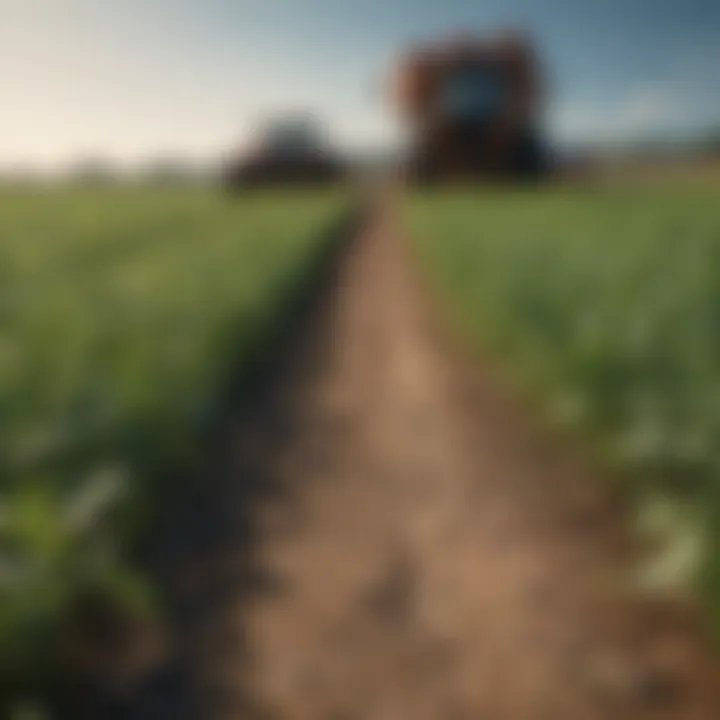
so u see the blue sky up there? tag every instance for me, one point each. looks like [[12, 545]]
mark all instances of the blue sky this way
[[141, 77]]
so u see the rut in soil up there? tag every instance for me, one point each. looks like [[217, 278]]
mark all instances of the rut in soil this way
[[382, 534]]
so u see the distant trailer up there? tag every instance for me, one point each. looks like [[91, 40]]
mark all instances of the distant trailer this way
[[472, 109]]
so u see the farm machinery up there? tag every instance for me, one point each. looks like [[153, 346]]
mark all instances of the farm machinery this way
[[472, 108], [289, 150]]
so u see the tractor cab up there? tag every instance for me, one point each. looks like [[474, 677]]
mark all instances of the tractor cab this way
[[476, 93]]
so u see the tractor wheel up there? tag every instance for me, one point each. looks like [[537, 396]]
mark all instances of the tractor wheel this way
[[422, 171], [530, 162]]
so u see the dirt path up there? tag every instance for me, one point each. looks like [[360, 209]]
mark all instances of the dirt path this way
[[385, 539]]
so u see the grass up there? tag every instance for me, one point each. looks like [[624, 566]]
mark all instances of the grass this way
[[120, 311], [606, 307]]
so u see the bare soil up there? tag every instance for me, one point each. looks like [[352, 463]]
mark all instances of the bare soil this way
[[384, 534]]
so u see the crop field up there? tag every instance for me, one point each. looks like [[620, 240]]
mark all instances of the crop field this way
[[120, 311], [604, 308], [124, 312]]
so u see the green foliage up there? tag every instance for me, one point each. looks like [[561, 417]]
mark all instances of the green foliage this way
[[120, 312], [606, 306]]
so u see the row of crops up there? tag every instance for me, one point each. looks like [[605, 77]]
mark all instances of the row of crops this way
[[606, 308], [119, 313]]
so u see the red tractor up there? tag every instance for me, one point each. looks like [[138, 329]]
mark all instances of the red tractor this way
[[472, 107]]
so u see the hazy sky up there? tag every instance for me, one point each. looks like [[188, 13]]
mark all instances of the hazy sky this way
[[133, 78]]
